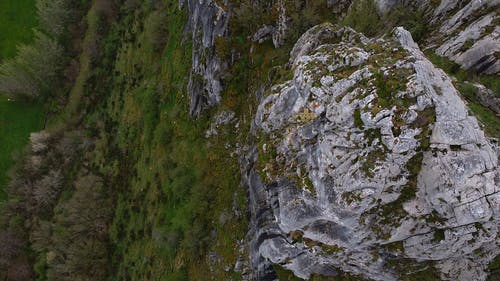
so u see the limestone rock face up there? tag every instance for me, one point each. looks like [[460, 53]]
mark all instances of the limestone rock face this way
[[469, 33], [367, 157], [207, 21]]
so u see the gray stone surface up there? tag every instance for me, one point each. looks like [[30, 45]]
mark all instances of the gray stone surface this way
[[384, 6], [369, 145], [468, 33], [264, 33], [206, 21], [488, 98]]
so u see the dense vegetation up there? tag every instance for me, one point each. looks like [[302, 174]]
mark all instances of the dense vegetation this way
[[122, 185]]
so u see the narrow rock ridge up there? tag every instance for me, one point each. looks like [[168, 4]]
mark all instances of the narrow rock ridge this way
[[206, 21], [368, 155]]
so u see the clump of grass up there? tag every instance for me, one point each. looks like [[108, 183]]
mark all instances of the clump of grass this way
[[358, 122], [494, 265]]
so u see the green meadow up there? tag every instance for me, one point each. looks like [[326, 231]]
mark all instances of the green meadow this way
[[17, 18], [17, 118]]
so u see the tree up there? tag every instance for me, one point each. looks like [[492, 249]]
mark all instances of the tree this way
[[20, 270], [34, 70], [14, 263], [46, 191], [80, 233], [55, 15], [10, 247]]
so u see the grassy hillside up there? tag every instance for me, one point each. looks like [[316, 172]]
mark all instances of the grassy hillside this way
[[17, 119]]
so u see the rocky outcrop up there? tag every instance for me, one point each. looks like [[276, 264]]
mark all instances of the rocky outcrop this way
[[279, 35], [385, 6], [221, 119], [468, 33], [369, 157], [207, 20], [263, 34], [276, 31]]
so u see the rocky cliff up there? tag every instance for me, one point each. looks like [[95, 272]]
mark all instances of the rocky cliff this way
[[367, 157], [207, 20], [364, 158]]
